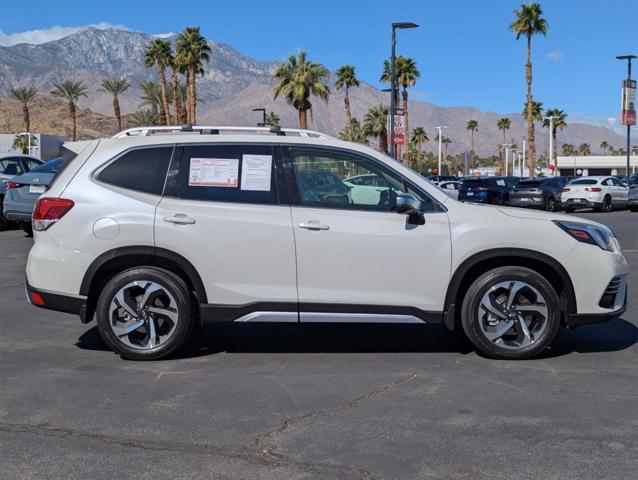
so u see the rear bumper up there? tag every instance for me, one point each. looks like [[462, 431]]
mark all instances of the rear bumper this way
[[575, 203], [56, 301], [517, 202], [17, 216]]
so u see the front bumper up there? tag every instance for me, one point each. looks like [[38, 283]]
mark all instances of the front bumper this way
[[576, 319]]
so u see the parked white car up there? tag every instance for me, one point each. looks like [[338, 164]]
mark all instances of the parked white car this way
[[451, 188], [602, 193], [366, 188], [161, 228]]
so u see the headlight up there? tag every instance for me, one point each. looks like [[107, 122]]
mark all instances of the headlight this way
[[592, 234]]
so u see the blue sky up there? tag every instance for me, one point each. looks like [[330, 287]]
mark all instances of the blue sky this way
[[466, 54]]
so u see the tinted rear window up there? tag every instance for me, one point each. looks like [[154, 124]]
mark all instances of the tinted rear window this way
[[530, 183], [142, 170], [471, 183], [584, 182]]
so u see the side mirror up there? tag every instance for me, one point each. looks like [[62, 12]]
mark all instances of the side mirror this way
[[408, 204]]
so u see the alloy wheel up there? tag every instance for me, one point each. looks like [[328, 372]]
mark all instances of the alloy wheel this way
[[513, 315], [143, 315]]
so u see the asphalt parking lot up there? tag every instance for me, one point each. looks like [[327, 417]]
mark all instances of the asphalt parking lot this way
[[317, 402]]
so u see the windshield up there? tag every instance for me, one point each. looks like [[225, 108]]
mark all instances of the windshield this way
[[52, 166]]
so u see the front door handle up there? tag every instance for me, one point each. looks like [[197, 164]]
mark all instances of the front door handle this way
[[180, 219], [314, 225]]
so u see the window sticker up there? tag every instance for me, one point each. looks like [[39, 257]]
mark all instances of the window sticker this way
[[255, 172], [213, 172], [500, 183]]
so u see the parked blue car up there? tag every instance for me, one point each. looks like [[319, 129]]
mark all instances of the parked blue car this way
[[22, 191]]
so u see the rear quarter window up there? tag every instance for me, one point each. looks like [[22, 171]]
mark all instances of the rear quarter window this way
[[141, 170]]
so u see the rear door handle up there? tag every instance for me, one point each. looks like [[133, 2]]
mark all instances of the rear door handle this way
[[314, 225], [180, 219]]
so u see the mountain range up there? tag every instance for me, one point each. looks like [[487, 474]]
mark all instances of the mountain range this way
[[233, 84]]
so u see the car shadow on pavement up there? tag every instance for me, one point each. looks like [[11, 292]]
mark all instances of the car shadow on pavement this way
[[343, 338]]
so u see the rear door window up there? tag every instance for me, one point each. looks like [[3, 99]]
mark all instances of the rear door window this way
[[240, 173], [142, 170]]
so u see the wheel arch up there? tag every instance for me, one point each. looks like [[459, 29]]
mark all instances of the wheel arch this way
[[114, 261], [480, 262]]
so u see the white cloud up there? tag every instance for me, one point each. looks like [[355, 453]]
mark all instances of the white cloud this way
[[51, 34], [164, 35], [555, 55]]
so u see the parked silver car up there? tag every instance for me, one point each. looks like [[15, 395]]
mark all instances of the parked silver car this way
[[11, 165], [22, 191]]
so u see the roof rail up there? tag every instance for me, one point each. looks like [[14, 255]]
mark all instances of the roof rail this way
[[217, 130]]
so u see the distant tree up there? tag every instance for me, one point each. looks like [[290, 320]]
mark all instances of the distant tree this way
[[70, 91], [152, 97], [445, 141], [298, 79], [621, 152], [604, 145], [405, 74], [160, 54], [568, 149], [116, 87], [558, 123], [346, 78], [529, 22], [143, 118], [24, 95], [178, 100], [21, 142], [375, 124], [419, 137], [192, 51], [356, 135], [272, 118], [584, 149], [472, 126]]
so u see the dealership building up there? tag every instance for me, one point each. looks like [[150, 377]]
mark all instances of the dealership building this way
[[596, 165], [44, 147]]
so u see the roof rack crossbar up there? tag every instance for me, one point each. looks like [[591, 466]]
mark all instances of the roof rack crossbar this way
[[216, 130]]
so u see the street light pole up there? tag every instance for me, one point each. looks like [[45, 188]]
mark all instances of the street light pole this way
[[440, 129], [263, 112], [524, 159], [506, 148], [629, 58], [393, 87], [550, 156]]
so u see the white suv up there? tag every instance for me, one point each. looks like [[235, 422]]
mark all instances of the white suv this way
[[601, 193], [157, 230]]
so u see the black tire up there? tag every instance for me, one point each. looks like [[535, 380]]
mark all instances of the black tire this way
[[605, 206], [472, 323], [168, 281], [569, 210], [4, 223], [633, 208], [550, 204], [26, 228], [498, 200]]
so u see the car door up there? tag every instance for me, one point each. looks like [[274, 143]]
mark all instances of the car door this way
[[622, 191], [222, 212], [363, 261]]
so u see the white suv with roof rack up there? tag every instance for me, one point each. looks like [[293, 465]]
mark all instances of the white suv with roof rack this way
[[160, 229]]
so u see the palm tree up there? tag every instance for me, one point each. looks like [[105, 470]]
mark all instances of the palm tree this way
[[405, 73], [584, 149], [346, 78], [24, 96], [178, 102], [621, 152], [472, 126], [558, 123], [21, 142], [529, 22], [180, 95], [192, 51], [445, 141], [160, 54], [298, 79], [503, 124], [604, 145], [419, 137], [116, 87], [272, 118], [375, 124], [152, 97], [357, 134], [71, 91], [568, 149], [143, 118]]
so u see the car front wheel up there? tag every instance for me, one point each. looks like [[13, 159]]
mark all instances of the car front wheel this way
[[145, 313], [511, 313]]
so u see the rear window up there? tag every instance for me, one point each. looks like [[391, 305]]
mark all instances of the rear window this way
[[530, 183], [584, 181], [472, 183], [142, 170]]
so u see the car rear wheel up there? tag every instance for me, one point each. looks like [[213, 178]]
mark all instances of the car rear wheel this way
[[511, 313], [633, 208], [145, 313], [550, 204], [605, 206]]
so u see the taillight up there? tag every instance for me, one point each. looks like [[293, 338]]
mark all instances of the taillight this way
[[593, 189], [567, 189], [47, 211], [11, 185]]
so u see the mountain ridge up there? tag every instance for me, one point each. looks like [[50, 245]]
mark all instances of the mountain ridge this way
[[234, 84]]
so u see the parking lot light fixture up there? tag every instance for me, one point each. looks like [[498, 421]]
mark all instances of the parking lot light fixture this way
[[551, 138], [629, 58], [440, 129], [393, 94]]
